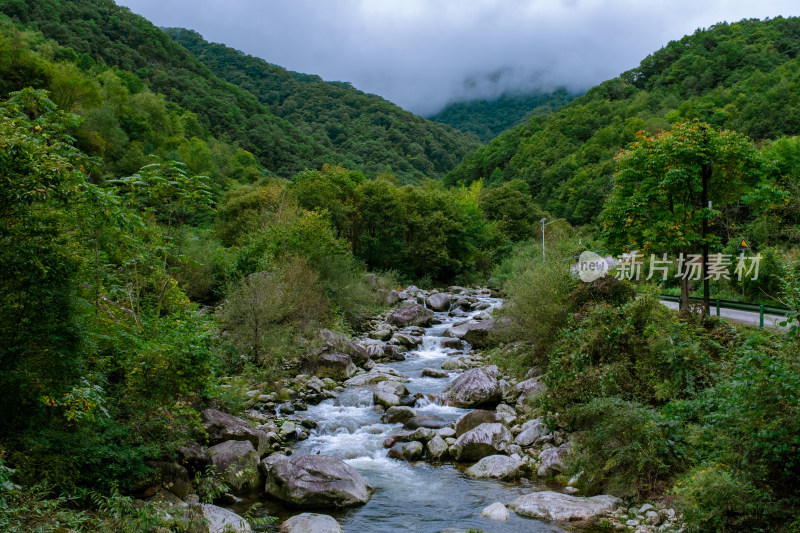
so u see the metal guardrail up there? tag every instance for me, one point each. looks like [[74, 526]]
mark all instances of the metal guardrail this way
[[761, 309]]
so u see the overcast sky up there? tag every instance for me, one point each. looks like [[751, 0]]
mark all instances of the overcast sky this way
[[422, 54]]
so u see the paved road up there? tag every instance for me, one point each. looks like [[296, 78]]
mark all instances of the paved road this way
[[743, 317]]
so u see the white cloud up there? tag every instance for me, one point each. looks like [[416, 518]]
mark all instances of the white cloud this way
[[421, 54]]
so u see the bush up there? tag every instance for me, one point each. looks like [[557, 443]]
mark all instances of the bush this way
[[623, 447]]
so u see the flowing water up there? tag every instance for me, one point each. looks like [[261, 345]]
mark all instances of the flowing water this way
[[419, 497]]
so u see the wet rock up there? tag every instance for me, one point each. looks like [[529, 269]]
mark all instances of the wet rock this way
[[222, 427], [407, 451], [412, 315], [433, 373], [236, 463], [452, 364], [382, 334], [439, 301], [407, 341], [398, 415], [496, 466], [425, 421], [477, 387], [376, 375], [311, 523], [497, 511], [217, 519], [549, 505], [451, 343], [314, 481], [389, 393], [286, 408], [437, 448], [474, 419], [484, 440]]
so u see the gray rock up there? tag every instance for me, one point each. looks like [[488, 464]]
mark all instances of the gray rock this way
[[381, 334], [392, 298], [389, 393], [174, 477], [535, 429], [484, 440], [221, 427], [407, 341], [433, 373], [437, 448], [375, 375], [330, 363], [412, 315], [236, 463], [476, 332], [474, 388], [439, 301], [399, 414], [528, 390], [311, 523], [194, 457], [425, 421], [552, 459], [219, 520], [407, 451], [497, 511], [474, 419], [314, 481], [549, 505], [496, 466], [451, 343]]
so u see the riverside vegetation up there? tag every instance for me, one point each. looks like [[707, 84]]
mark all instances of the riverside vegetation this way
[[169, 244]]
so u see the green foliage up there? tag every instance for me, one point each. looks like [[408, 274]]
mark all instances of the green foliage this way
[[366, 131], [623, 448], [489, 118], [738, 76]]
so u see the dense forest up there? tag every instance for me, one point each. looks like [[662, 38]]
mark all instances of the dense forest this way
[[489, 118], [741, 76], [177, 229], [371, 134], [282, 141]]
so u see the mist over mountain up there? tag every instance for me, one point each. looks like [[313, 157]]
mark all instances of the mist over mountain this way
[[423, 55]]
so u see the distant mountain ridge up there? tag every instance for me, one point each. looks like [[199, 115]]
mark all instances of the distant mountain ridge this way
[[487, 118], [742, 76], [369, 132]]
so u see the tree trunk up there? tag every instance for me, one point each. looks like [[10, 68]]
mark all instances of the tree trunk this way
[[684, 306]]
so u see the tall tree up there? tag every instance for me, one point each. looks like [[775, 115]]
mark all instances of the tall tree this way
[[656, 204]]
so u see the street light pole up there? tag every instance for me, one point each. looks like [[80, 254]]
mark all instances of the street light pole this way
[[543, 226]]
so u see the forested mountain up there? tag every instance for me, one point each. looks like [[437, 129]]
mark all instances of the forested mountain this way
[[369, 132], [302, 122], [741, 76], [489, 118]]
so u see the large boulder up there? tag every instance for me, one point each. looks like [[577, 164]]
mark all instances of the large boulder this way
[[311, 523], [407, 451], [496, 466], [236, 463], [531, 431], [219, 520], [398, 414], [330, 363], [477, 387], [437, 448], [174, 477], [527, 390], [388, 393], [549, 505], [484, 440], [377, 374], [552, 459], [339, 342], [425, 421], [194, 457], [474, 419], [439, 301], [221, 427], [411, 315], [312, 481], [475, 332]]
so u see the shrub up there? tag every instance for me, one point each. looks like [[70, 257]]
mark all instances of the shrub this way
[[623, 447]]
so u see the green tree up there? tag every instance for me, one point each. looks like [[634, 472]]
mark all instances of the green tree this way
[[655, 205]]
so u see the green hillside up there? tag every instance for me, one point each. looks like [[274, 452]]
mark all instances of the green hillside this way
[[368, 132], [741, 76], [488, 118], [103, 32]]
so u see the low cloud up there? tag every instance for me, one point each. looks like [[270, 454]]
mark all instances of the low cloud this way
[[423, 54]]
